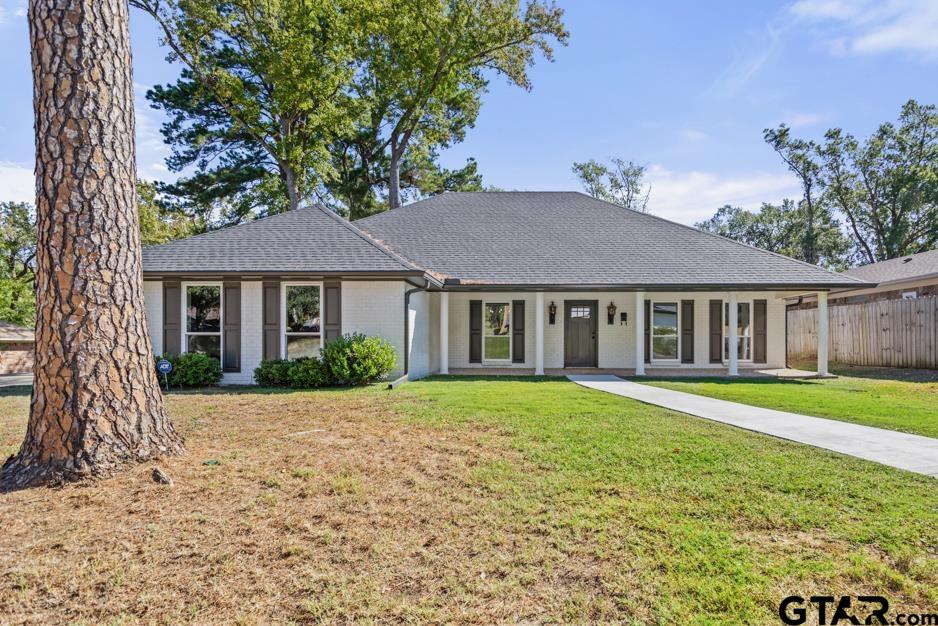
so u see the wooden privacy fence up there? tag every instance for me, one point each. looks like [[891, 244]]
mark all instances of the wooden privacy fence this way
[[889, 333]]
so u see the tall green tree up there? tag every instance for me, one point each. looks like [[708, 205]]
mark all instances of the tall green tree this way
[[887, 185], [159, 224], [782, 229], [428, 62], [265, 91], [620, 182], [800, 157], [411, 85]]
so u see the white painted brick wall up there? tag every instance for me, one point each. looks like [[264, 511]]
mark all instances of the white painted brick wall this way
[[251, 334], [376, 308], [421, 327], [153, 301]]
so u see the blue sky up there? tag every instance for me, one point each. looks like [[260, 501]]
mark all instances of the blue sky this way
[[683, 87]]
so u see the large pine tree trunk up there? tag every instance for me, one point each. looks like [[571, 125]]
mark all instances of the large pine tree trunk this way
[[96, 405]]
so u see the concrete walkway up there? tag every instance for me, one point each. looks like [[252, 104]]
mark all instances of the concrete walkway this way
[[908, 452]]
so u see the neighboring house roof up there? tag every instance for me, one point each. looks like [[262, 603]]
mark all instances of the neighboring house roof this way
[[310, 239], [12, 332], [569, 238], [917, 266]]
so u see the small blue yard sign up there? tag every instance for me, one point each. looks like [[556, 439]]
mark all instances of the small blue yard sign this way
[[164, 367]]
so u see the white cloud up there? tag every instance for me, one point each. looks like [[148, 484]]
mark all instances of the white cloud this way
[[874, 26], [802, 120], [692, 134], [763, 47], [690, 197], [151, 150], [16, 183]]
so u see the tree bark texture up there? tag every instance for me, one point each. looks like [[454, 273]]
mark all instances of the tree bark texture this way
[[96, 405]]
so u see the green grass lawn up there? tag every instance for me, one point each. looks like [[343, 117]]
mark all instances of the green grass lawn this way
[[461, 500], [665, 518], [907, 405]]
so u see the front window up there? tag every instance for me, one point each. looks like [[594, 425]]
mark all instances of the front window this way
[[302, 327], [203, 319], [743, 331], [497, 331], [664, 331]]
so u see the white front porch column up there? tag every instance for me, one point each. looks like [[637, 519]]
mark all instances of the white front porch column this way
[[733, 323], [444, 332], [539, 334], [639, 333], [822, 333]]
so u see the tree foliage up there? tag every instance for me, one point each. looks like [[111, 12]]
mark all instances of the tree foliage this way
[[887, 186], [621, 182], [782, 229], [17, 263], [354, 109]]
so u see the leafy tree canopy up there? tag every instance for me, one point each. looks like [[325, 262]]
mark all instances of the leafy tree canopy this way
[[620, 182], [349, 103], [782, 229]]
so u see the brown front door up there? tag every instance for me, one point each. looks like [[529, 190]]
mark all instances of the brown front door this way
[[579, 332]]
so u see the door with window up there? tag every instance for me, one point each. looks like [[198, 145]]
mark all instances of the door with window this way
[[580, 336]]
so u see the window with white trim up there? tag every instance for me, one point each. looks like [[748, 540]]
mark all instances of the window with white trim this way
[[496, 332], [302, 327], [743, 331], [202, 311], [664, 331]]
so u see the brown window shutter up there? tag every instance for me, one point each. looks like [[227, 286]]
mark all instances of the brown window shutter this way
[[647, 331], [231, 359], [716, 331], [332, 317], [475, 331], [687, 331], [172, 313], [271, 320], [517, 331], [759, 331]]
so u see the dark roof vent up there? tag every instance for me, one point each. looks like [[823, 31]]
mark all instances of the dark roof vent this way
[[907, 260]]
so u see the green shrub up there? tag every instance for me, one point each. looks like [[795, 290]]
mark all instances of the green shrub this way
[[308, 373], [273, 373], [357, 359], [193, 369]]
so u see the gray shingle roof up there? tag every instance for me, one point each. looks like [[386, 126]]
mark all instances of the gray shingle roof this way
[[311, 239], [902, 268], [569, 238]]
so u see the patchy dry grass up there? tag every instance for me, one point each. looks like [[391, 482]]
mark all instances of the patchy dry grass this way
[[463, 502]]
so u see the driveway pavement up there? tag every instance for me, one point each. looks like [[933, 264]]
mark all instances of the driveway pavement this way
[[914, 453], [15, 380]]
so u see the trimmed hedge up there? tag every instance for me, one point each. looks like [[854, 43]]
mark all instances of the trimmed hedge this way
[[192, 369], [348, 360]]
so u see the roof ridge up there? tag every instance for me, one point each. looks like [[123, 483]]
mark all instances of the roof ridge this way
[[718, 236], [371, 240]]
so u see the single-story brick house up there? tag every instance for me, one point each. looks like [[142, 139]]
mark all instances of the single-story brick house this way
[[476, 282]]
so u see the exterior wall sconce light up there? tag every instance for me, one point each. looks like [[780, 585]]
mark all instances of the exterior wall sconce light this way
[[611, 313], [552, 313]]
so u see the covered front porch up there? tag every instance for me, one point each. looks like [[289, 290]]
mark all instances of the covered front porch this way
[[631, 333]]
